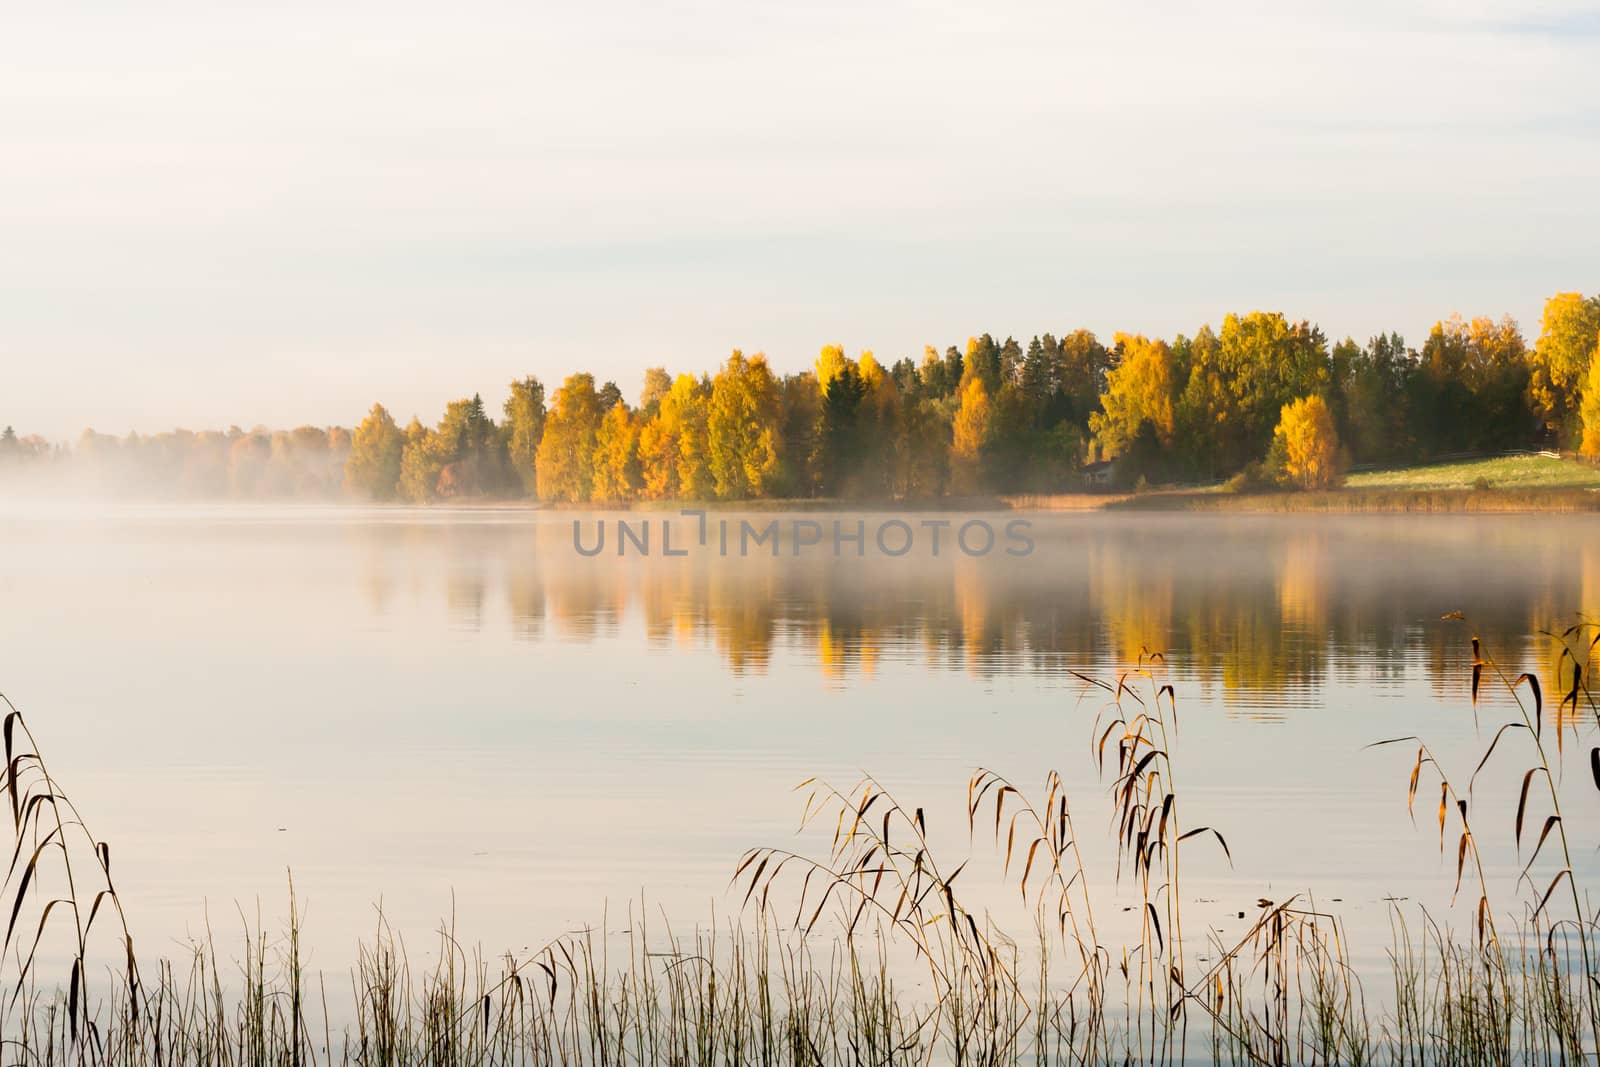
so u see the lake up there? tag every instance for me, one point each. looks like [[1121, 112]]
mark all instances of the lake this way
[[452, 715]]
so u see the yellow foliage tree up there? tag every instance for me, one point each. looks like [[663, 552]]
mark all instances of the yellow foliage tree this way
[[1309, 443], [657, 383], [830, 363], [373, 468], [565, 461], [616, 456], [742, 422], [421, 460], [879, 402], [674, 446], [1140, 390], [972, 429], [1561, 359], [1590, 409], [694, 449], [658, 474]]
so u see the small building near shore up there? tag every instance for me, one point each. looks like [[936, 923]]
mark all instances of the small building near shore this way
[[1100, 475]]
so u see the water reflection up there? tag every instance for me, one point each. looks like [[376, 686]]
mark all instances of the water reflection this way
[[490, 714], [1267, 608]]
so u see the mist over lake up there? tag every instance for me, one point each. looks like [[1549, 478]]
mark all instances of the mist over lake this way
[[452, 711]]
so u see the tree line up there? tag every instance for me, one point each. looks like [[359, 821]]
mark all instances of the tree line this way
[[1263, 399]]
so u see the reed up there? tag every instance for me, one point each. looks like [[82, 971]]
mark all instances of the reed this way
[[813, 968]]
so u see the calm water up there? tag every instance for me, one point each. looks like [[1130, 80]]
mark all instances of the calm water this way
[[452, 712]]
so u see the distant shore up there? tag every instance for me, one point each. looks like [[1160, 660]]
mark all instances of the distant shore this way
[[1497, 484], [1211, 499], [1337, 501]]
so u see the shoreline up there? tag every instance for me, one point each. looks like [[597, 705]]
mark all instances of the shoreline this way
[[1370, 501], [1331, 501], [1562, 500]]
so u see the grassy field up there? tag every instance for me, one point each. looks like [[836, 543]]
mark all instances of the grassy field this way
[[1500, 472], [1524, 483]]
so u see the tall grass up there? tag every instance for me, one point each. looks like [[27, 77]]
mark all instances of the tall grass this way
[[871, 951]]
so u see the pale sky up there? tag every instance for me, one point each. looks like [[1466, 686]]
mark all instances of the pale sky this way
[[215, 213]]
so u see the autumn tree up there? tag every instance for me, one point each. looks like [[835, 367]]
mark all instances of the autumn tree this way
[[1589, 446], [1264, 362], [657, 449], [673, 445], [830, 362], [743, 426], [618, 475], [875, 427], [1199, 414], [1139, 391], [657, 383], [524, 428], [691, 399], [421, 460], [1560, 361], [464, 456], [983, 359], [1308, 441], [970, 432], [1082, 364], [931, 375], [373, 469], [474, 451], [565, 461], [1470, 391]]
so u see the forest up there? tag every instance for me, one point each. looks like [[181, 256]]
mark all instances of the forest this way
[[1264, 402]]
